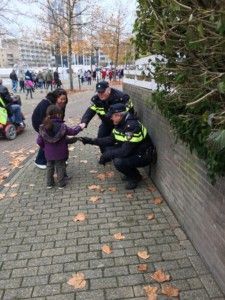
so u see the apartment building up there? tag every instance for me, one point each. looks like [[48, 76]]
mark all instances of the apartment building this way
[[25, 52]]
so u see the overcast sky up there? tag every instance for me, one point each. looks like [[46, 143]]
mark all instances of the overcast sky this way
[[108, 5]]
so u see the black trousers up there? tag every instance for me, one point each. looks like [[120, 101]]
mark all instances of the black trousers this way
[[60, 167], [128, 165], [103, 131]]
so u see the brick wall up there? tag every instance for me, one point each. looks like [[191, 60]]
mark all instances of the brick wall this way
[[181, 178]]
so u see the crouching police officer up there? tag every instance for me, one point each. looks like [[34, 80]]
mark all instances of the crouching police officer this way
[[101, 102], [129, 146]]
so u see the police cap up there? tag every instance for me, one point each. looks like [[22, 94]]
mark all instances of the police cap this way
[[115, 108], [102, 86]]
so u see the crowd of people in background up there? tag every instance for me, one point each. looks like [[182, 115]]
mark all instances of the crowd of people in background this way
[[30, 81], [101, 74]]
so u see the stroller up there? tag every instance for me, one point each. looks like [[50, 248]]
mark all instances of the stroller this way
[[8, 128]]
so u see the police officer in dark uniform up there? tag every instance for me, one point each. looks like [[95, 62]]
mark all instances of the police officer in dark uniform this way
[[101, 102], [129, 146]]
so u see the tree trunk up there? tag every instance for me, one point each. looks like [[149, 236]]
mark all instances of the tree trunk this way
[[70, 62]]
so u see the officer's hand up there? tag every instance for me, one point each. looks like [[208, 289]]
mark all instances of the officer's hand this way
[[86, 140], [71, 140], [105, 157]]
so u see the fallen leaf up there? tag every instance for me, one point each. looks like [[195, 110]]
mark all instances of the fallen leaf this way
[[15, 185], [158, 201], [94, 187], [32, 151], [170, 291], [119, 236], [160, 276], [112, 189], [106, 249], [3, 168], [79, 217], [109, 174], [84, 161], [7, 185], [151, 216], [151, 188], [93, 171], [151, 292], [142, 267], [2, 196], [94, 199], [5, 175], [101, 176], [129, 195], [12, 195], [143, 254], [77, 281]]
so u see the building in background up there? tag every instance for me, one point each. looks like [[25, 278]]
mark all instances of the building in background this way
[[25, 52]]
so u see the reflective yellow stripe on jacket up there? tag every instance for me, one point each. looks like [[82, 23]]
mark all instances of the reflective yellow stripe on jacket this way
[[3, 113], [2, 102], [99, 110], [134, 138]]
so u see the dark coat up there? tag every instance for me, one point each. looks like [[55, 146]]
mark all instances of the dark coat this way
[[13, 76], [54, 141], [116, 96], [5, 95], [7, 99], [129, 126], [28, 74], [39, 113]]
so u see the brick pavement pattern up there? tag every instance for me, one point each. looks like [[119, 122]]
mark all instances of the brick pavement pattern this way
[[42, 247]]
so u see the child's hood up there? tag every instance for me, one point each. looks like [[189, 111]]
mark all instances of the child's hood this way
[[56, 133]]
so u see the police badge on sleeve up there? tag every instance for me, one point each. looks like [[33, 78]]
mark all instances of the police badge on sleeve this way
[[129, 135]]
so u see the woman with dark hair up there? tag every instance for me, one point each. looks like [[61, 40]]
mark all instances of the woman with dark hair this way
[[57, 97]]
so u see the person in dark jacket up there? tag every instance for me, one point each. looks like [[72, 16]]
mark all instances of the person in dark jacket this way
[[52, 139], [13, 108], [129, 146], [59, 97], [14, 79], [28, 74], [101, 102], [57, 80]]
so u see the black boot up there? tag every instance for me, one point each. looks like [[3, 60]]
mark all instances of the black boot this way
[[132, 183]]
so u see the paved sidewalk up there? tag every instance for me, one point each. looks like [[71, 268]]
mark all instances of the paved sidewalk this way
[[42, 247]]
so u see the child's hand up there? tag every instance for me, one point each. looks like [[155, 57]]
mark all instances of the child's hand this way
[[82, 125]]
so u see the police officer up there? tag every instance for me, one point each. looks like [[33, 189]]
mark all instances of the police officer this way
[[101, 102], [129, 146]]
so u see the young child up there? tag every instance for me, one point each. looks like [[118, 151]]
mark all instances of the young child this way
[[22, 84], [29, 85], [53, 139]]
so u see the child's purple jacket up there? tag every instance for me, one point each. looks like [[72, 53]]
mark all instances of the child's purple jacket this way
[[54, 143]]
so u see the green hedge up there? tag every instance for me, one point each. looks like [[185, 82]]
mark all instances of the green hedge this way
[[190, 37]]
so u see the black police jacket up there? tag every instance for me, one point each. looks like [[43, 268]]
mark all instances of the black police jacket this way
[[7, 99], [128, 138], [5, 95], [101, 108]]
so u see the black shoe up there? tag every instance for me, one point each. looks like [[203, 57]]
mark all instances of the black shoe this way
[[133, 183], [126, 178]]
